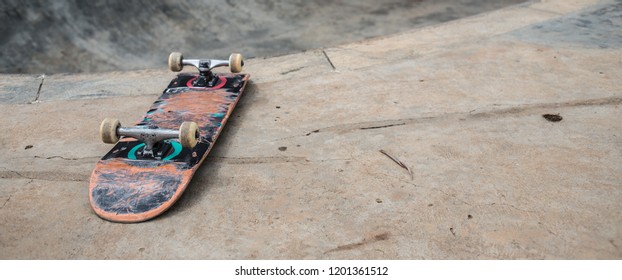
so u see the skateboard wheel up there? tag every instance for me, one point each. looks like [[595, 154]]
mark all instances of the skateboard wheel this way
[[108, 130], [174, 61], [188, 133], [236, 62]]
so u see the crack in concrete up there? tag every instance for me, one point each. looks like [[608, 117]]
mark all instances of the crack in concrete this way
[[365, 241], [330, 159], [4, 175], [547, 228], [268, 159], [382, 126], [255, 160], [44, 176], [515, 110], [36, 100], [64, 158], [328, 59], [5, 202], [292, 70]]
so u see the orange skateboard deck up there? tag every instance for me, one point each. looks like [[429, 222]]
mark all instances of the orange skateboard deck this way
[[128, 185]]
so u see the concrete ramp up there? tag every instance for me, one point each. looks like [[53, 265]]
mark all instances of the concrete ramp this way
[[492, 137]]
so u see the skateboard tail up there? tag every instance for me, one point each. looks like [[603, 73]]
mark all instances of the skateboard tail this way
[[135, 191]]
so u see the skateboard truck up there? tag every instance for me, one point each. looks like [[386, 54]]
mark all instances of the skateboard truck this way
[[176, 63], [111, 130]]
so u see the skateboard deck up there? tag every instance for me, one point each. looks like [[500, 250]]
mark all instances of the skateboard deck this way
[[127, 186]]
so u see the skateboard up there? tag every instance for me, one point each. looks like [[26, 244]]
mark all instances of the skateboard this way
[[152, 163]]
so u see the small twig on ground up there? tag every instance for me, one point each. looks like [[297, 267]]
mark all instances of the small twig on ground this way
[[399, 162]]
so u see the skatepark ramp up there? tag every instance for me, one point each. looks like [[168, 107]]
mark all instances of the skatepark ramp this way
[[500, 136], [93, 36]]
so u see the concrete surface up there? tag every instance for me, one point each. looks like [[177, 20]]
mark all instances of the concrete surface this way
[[37, 36], [298, 174]]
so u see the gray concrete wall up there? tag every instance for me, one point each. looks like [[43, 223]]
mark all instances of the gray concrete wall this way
[[90, 36]]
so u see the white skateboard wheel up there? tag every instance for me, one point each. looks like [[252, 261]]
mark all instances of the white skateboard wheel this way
[[235, 62], [188, 132], [175, 61], [108, 130]]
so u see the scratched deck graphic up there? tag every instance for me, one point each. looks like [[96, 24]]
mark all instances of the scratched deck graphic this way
[[125, 187]]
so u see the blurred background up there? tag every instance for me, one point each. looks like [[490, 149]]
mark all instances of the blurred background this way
[[38, 36]]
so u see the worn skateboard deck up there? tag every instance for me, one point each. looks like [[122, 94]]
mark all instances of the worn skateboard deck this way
[[127, 188]]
